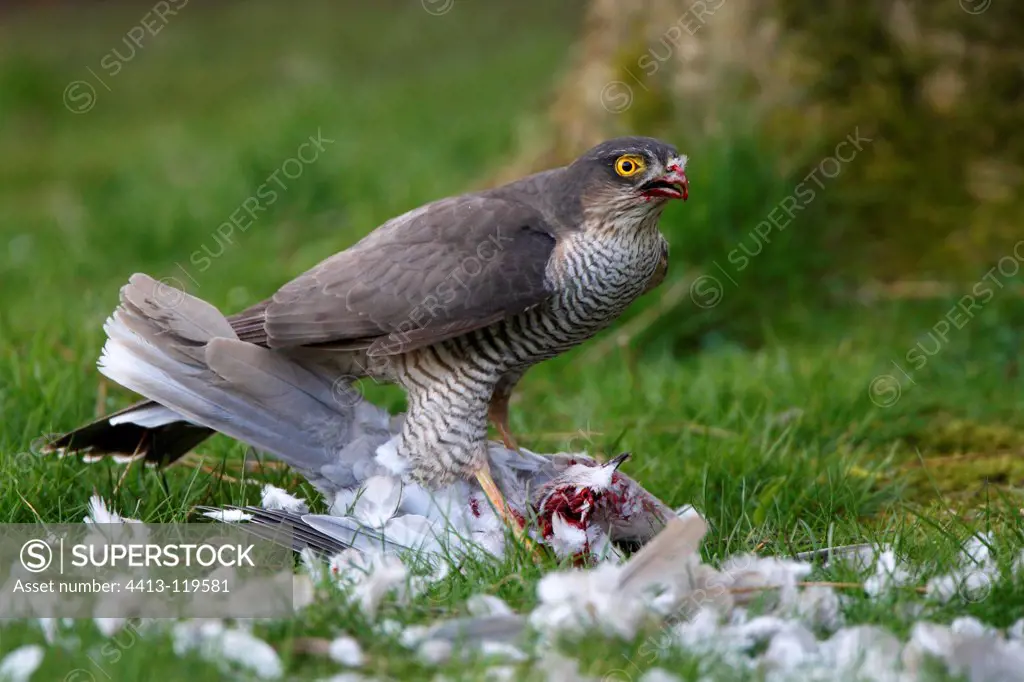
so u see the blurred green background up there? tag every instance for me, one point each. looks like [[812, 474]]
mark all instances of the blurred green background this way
[[129, 132]]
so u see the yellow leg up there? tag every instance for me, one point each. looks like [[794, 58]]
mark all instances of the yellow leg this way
[[498, 414], [490, 488]]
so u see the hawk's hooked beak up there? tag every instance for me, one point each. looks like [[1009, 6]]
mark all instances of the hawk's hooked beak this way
[[673, 184]]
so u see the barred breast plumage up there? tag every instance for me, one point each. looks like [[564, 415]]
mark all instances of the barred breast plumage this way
[[598, 274]]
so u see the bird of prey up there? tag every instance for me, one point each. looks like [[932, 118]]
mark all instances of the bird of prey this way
[[187, 358], [453, 301]]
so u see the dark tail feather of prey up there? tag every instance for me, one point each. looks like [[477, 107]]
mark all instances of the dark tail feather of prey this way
[[159, 445]]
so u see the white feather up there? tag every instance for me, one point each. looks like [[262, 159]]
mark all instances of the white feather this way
[[228, 515], [387, 456], [148, 417], [487, 605], [434, 651], [596, 477], [19, 665], [276, 498], [888, 575], [223, 646], [370, 577], [378, 501], [659, 675], [109, 626], [346, 651], [973, 577], [566, 539], [100, 513]]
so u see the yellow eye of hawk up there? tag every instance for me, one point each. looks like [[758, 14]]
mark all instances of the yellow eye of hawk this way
[[629, 165]]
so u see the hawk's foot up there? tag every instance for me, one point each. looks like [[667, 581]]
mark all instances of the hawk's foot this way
[[490, 488]]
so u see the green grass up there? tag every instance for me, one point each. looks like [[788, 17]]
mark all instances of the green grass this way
[[756, 411]]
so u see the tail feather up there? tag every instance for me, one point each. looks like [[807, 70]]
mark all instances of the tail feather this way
[[131, 361], [150, 356], [148, 416], [158, 444], [147, 429], [182, 323], [172, 311], [269, 377], [157, 346]]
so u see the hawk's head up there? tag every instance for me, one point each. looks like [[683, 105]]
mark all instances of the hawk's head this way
[[629, 175]]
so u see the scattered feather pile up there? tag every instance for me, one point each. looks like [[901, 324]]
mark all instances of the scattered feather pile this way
[[973, 578], [229, 647], [888, 575], [752, 616], [749, 617], [618, 599]]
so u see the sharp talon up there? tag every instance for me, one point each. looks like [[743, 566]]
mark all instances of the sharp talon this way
[[507, 439]]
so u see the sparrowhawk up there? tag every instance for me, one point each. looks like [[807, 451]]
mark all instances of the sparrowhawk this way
[[454, 301]]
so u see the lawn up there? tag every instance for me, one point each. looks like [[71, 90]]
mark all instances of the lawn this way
[[794, 411]]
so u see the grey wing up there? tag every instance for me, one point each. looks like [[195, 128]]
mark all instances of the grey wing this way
[[434, 273]]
